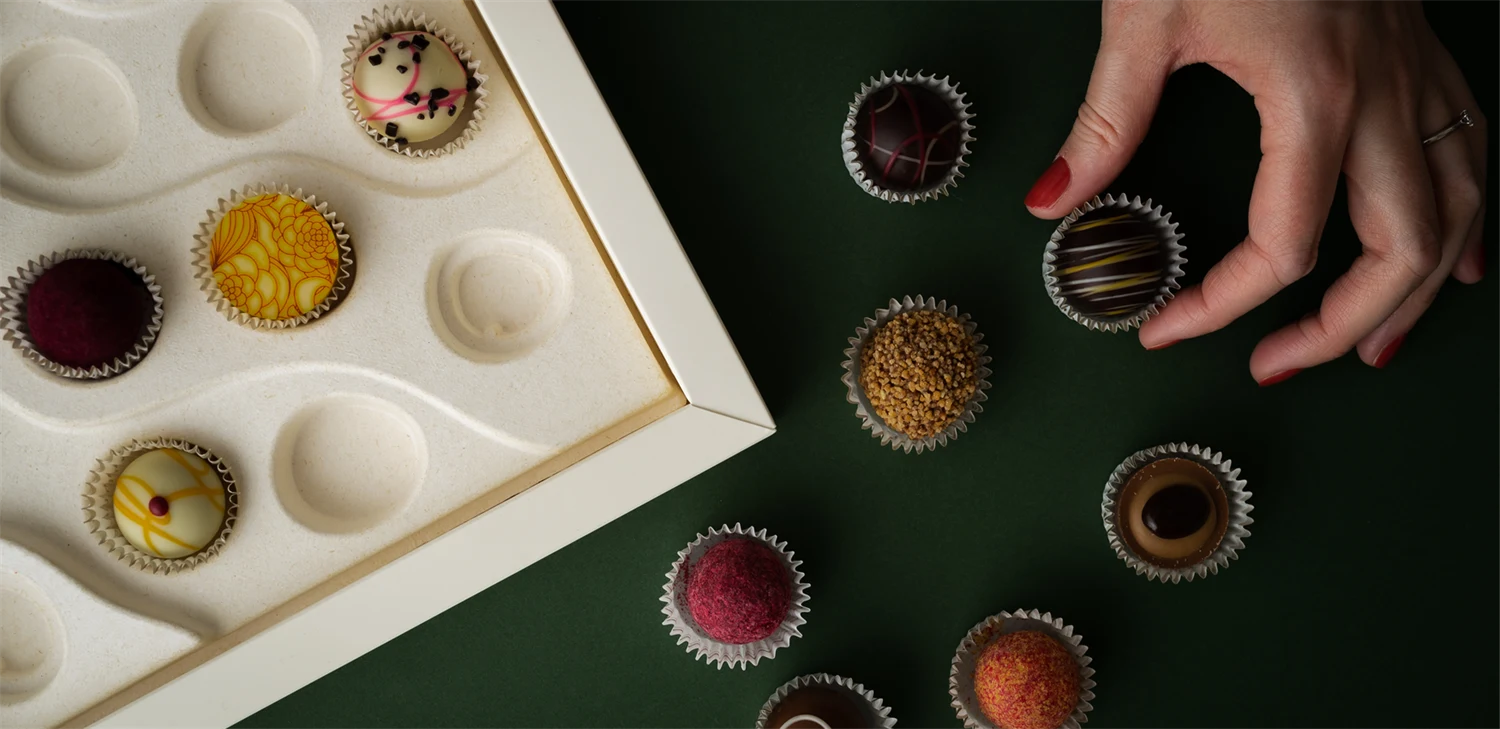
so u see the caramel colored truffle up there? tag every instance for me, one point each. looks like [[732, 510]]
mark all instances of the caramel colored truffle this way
[[1173, 512], [1026, 680]]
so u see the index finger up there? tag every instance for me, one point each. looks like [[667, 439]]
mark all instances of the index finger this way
[[1294, 189]]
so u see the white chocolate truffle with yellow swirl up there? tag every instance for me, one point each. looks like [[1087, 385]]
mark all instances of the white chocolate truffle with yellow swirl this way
[[169, 503], [410, 86]]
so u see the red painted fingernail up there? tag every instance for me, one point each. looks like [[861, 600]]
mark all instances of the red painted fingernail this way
[[1049, 187], [1384, 358], [1279, 377], [1163, 345]]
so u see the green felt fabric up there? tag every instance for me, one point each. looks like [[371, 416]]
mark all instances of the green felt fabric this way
[[1367, 595]]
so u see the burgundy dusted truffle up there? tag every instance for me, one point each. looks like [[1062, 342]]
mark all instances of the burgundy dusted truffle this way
[[84, 312], [739, 591]]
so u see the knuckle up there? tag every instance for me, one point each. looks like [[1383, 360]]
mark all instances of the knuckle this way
[[1464, 195], [1422, 259], [1316, 333], [1094, 124], [1289, 262]]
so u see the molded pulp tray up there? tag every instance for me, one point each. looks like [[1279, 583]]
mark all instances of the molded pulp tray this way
[[524, 353]]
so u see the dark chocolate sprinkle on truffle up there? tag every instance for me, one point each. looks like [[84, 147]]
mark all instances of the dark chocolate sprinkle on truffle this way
[[401, 69], [452, 110], [416, 57], [432, 104], [472, 84], [420, 42], [385, 36], [403, 44], [380, 49], [375, 60], [419, 116], [390, 129], [439, 93], [413, 98]]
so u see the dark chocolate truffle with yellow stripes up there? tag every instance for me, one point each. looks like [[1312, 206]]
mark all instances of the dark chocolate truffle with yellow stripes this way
[[1112, 263]]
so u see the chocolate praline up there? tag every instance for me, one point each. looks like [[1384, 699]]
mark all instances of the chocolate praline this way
[[835, 707], [1173, 512], [1112, 262], [86, 312], [907, 137]]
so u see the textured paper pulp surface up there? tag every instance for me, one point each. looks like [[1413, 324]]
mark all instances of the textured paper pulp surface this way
[[1371, 487], [460, 426]]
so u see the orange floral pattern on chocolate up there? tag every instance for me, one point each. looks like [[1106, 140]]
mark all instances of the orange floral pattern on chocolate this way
[[274, 257]]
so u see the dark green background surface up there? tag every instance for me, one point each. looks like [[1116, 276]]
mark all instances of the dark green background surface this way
[[1367, 595]]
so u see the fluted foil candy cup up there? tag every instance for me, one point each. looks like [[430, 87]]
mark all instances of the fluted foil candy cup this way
[[1237, 497], [940, 185], [395, 20], [961, 672], [99, 512], [866, 412], [203, 258], [13, 297], [698, 642]]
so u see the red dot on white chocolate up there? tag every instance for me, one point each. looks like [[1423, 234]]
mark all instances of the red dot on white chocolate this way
[[158, 505]]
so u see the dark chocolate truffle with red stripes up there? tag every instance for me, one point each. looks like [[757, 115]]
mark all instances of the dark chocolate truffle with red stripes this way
[[908, 138]]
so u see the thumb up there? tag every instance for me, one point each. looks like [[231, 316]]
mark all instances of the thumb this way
[[1126, 85]]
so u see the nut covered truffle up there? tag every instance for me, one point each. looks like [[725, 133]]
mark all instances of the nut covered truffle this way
[[739, 591], [1026, 680], [919, 372]]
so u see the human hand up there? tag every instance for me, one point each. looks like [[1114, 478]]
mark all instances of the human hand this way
[[1349, 87]]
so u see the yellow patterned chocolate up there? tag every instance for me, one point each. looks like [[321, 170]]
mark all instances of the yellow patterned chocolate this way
[[169, 503], [274, 257]]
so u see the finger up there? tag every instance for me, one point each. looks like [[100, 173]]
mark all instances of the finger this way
[[1391, 205], [1471, 261], [1129, 73], [1458, 198], [1303, 146]]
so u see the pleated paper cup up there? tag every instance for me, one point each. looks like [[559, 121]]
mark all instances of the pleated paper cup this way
[[1237, 497], [13, 297], [866, 412], [397, 20], [880, 714], [204, 269], [941, 185], [961, 674], [698, 642], [99, 511], [1060, 289]]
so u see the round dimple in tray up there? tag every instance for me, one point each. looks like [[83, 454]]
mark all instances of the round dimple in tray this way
[[483, 334]]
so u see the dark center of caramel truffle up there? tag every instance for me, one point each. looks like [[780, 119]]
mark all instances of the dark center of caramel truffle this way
[[1176, 511]]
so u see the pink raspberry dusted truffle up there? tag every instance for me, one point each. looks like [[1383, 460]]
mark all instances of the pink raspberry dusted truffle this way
[[1026, 680], [739, 591]]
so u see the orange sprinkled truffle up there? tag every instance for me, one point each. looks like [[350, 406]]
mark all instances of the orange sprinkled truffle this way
[[1026, 680]]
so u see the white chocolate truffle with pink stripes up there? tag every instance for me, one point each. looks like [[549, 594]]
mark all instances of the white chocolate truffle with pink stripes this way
[[410, 86]]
